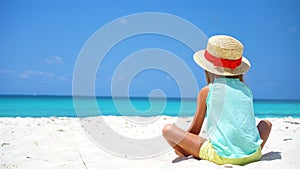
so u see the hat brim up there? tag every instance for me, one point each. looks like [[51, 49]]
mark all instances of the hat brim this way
[[205, 64]]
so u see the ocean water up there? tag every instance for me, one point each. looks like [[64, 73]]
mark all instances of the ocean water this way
[[45, 106]]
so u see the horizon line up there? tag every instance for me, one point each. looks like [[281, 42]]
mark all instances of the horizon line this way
[[144, 97]]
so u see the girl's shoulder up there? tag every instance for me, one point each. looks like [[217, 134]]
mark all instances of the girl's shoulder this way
[[203, 92], [204, 89]]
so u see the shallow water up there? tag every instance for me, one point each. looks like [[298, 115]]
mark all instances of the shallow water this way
[[45, 106]]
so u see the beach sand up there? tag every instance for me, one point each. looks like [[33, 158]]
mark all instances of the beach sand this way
[[59, 142]]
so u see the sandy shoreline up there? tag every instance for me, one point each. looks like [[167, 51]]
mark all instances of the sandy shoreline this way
[[59, 142]]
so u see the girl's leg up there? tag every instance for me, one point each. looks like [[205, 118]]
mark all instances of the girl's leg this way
[[183, 142], [264, 128], [178, 150]]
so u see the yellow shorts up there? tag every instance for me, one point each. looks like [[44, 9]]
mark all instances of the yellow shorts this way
[[207, 152]]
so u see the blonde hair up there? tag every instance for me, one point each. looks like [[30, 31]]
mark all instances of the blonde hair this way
[[210, 77]]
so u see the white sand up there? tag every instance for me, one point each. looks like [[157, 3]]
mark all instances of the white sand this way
[[62, 143]]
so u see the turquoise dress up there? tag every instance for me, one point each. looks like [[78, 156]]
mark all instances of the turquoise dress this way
[[231, 125]]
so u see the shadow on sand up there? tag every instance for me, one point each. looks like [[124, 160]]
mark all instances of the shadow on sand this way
[[182, 158], [271, 156]]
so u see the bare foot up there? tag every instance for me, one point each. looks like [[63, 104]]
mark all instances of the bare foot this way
[[179, 153]]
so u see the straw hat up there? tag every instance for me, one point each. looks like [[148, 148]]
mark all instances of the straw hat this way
[[223, 56]]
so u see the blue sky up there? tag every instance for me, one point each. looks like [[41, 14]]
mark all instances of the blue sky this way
[[41, 40]]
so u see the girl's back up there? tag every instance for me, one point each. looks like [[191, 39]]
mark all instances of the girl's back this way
[[230, 118]]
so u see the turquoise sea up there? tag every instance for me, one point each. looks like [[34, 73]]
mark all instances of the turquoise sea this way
[[45, 106]]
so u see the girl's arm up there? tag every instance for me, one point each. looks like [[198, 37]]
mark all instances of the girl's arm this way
[[196, 126]]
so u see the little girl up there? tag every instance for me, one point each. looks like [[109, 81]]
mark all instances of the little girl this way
[[233, 137]]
